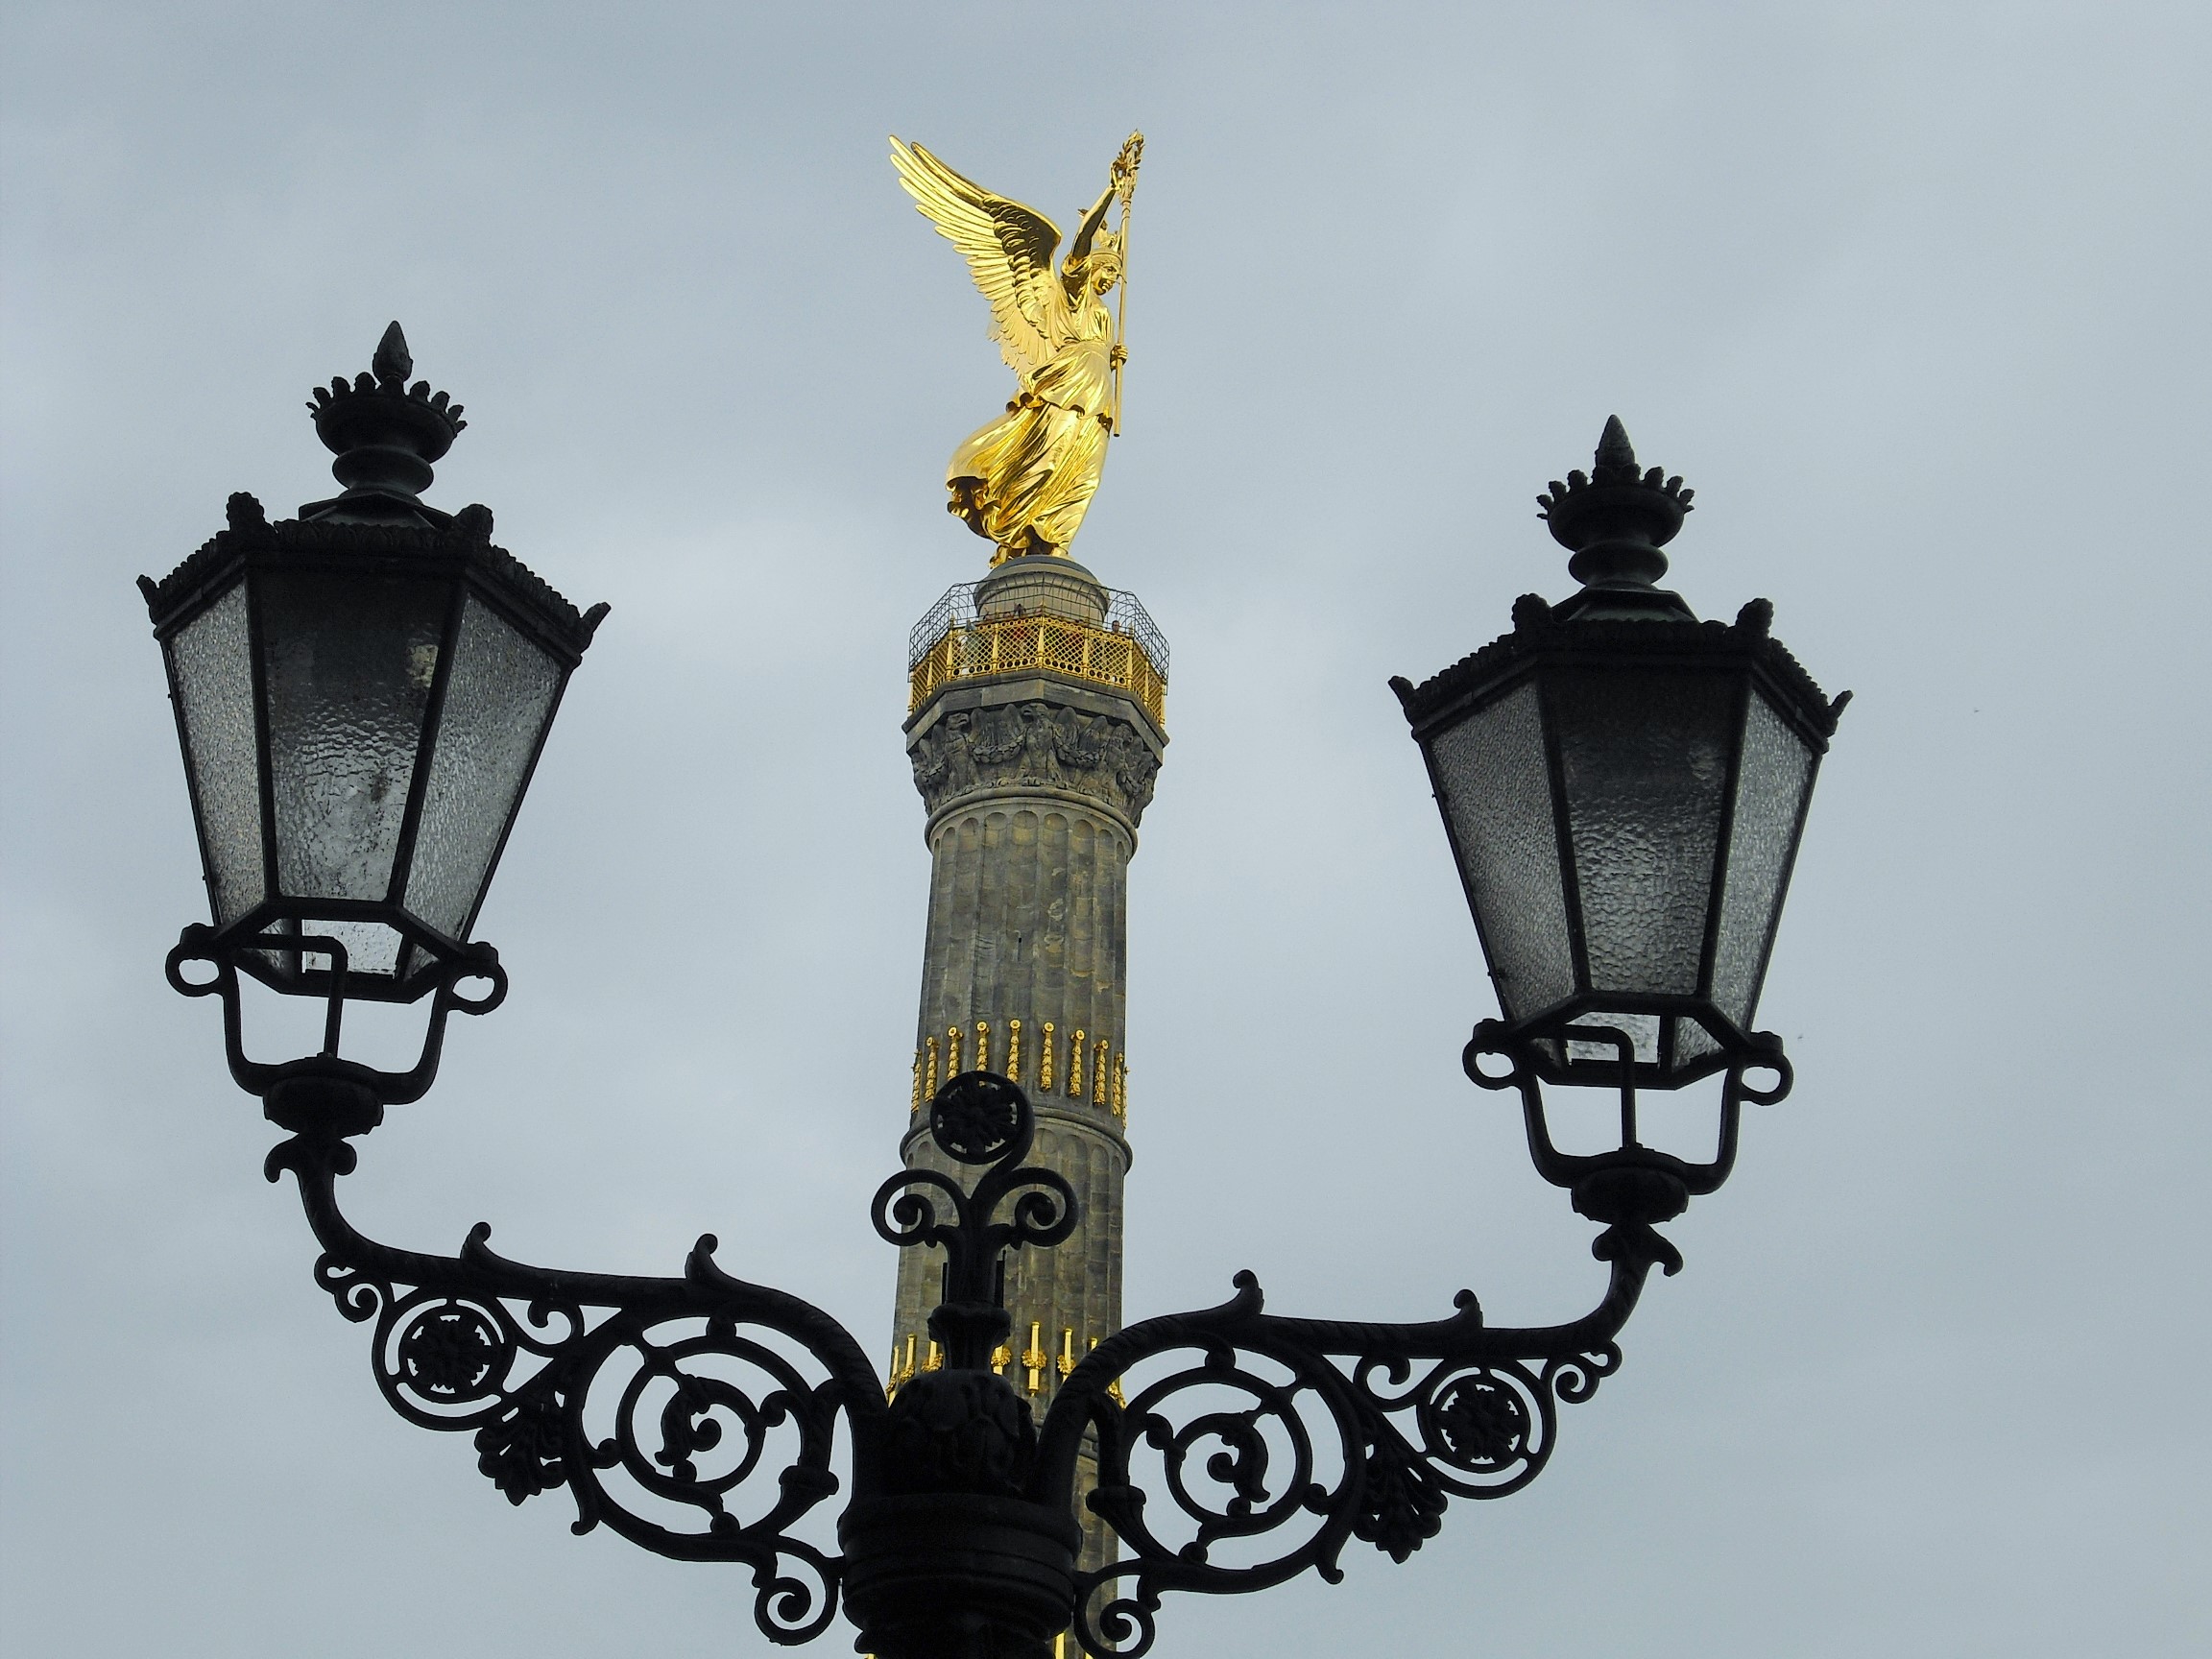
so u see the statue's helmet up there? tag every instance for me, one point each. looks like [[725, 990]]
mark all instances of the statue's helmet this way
[[1105, 255]]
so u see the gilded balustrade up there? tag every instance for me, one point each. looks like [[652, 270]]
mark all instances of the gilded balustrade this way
[[988, 645]]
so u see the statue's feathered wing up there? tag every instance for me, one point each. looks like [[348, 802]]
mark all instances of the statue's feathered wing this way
[[1009, 250]]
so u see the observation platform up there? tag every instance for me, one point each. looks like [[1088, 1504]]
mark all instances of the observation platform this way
[[1055, 620]]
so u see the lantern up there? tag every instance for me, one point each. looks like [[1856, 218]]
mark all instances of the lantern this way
[[1625, 787], [361, 694]]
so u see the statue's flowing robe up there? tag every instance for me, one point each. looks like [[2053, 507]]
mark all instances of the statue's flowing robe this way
[[1027, 479]]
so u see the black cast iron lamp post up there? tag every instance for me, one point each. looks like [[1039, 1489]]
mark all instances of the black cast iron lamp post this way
[[361, 693]]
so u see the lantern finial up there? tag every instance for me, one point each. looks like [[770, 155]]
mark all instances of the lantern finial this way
[[1614, 450], [392, 363], [1616, 518], [385, 434]]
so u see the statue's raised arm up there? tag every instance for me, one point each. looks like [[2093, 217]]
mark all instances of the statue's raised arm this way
[[1026, 479], [1086, 241]]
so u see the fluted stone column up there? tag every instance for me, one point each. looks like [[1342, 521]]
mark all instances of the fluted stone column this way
[[1035, 780]]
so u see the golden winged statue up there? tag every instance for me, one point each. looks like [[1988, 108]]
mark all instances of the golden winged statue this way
[[1025, 480]]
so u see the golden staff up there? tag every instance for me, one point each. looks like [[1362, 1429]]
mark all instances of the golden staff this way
[[1124, 172]]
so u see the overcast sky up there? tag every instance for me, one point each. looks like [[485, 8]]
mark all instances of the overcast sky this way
[[1915, 297]]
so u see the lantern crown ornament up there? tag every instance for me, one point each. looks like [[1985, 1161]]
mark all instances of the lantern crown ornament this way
[[1614, 520], [1625, 787], [361, 693], [384, 434]]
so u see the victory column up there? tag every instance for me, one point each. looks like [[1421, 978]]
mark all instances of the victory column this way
[[1034, 727]]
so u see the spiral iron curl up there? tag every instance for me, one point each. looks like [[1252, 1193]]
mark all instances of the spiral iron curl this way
[[514, 1354], [977, 1119], [1410, 1416]]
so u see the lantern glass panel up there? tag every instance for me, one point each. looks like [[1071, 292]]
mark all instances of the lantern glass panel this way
[[498, 696], [349, 660], [1643, 754], [211, 657], [1641, 1029], [1771, 786], [1692, 1041], [1497, 796]]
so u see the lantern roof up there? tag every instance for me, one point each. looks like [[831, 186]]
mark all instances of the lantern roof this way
[[384, 434], [1614, 520], [463, 537], [1540, 633]]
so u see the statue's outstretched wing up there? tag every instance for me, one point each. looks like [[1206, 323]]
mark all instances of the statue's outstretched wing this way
[[1008, 247]]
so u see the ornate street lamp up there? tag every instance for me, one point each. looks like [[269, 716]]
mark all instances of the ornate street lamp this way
[[1625, 787], [361, 693]]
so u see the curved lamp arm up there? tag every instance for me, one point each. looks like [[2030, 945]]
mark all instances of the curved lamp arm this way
[[1323, 1431], [695, 1416]]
